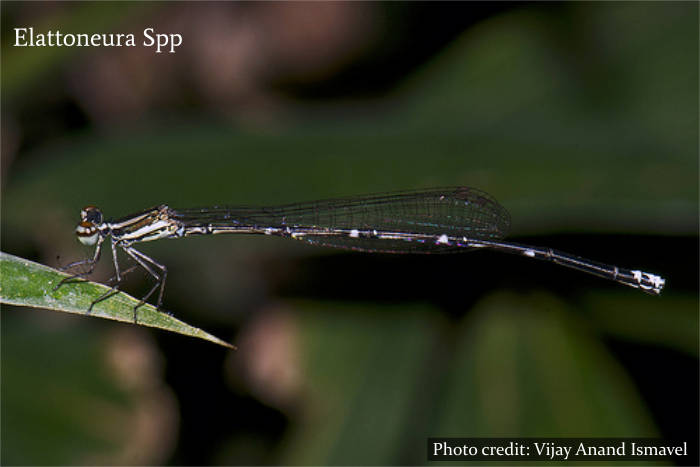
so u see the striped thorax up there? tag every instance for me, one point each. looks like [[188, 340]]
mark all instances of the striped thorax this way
[[147, 226]]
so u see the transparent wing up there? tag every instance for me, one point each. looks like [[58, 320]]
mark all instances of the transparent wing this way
[[455, 212]]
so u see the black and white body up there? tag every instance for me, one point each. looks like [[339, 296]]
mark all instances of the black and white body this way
[[446, 220]]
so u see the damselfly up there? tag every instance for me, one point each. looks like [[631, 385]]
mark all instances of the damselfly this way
[[445, 220]]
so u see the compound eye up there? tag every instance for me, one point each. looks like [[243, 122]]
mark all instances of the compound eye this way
[[91, 214], [87, 233]]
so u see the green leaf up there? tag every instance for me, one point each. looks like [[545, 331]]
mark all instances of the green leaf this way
[[25, 283]]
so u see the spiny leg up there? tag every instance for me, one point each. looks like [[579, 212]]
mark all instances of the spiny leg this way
[[74, 264], [117, 277], [141, 259], [163, 276], [113, 290], [91, 262], [122, 275]]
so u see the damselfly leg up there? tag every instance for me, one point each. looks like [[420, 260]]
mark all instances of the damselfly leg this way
[[144, 262], [141, 259], [90, 262]]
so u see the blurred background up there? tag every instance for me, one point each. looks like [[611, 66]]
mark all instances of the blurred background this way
[[580, 118]]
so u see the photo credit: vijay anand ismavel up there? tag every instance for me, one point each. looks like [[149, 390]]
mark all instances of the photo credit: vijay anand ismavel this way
[[558, 449], [160, 42]]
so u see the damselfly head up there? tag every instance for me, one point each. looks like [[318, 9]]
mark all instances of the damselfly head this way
[[91, 214], [87, 230]]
